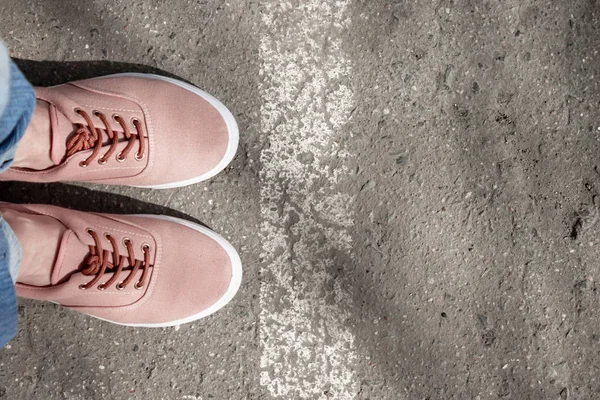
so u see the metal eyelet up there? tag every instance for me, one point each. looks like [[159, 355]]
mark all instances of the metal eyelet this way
[[89, 231], [107, 236], [119, 159], [101, 161], [96, 113], [135, 119], [139, 158], [120, 286], [101, 286], [82, 164], [138, 286], [145, 246], [78, 110], [126, 241], [82, 287], [116, 117]]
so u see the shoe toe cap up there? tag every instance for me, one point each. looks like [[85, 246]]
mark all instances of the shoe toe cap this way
[[191, 135], [193, 277]]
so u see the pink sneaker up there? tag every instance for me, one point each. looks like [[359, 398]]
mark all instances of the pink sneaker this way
[[136, 270], [130, 129]]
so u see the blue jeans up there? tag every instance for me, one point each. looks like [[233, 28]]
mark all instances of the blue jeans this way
[[17, 102]]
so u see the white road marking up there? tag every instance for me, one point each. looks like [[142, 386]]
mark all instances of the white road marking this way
[[307, 351]]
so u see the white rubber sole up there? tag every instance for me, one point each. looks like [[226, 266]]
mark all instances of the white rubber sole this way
[[232, 289], [232, 129]]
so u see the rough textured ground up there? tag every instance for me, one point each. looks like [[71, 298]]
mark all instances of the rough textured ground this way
[[415, 200]]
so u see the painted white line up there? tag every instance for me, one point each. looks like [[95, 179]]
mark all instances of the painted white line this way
[[307, 350]]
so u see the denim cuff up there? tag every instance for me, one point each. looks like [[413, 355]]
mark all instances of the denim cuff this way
[[4, 78], [10, 256], [12, 249], [16, 114]]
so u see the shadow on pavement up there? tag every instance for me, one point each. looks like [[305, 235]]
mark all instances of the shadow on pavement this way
[[49, 73], [82, 199], [476, 298]]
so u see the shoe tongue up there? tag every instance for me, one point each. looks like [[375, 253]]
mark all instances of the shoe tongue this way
[[60, 130], [71, 253], [50, 250]]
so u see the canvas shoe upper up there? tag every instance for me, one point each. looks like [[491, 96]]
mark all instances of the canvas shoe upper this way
[[131, 129], [150, 271]]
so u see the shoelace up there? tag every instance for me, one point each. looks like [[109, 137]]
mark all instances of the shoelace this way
[[98, 263], [88, 136]]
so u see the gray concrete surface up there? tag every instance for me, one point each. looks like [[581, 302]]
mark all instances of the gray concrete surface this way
[[415, 200]]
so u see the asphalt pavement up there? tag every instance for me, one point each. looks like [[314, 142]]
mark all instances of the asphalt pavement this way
[[414, 199]]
